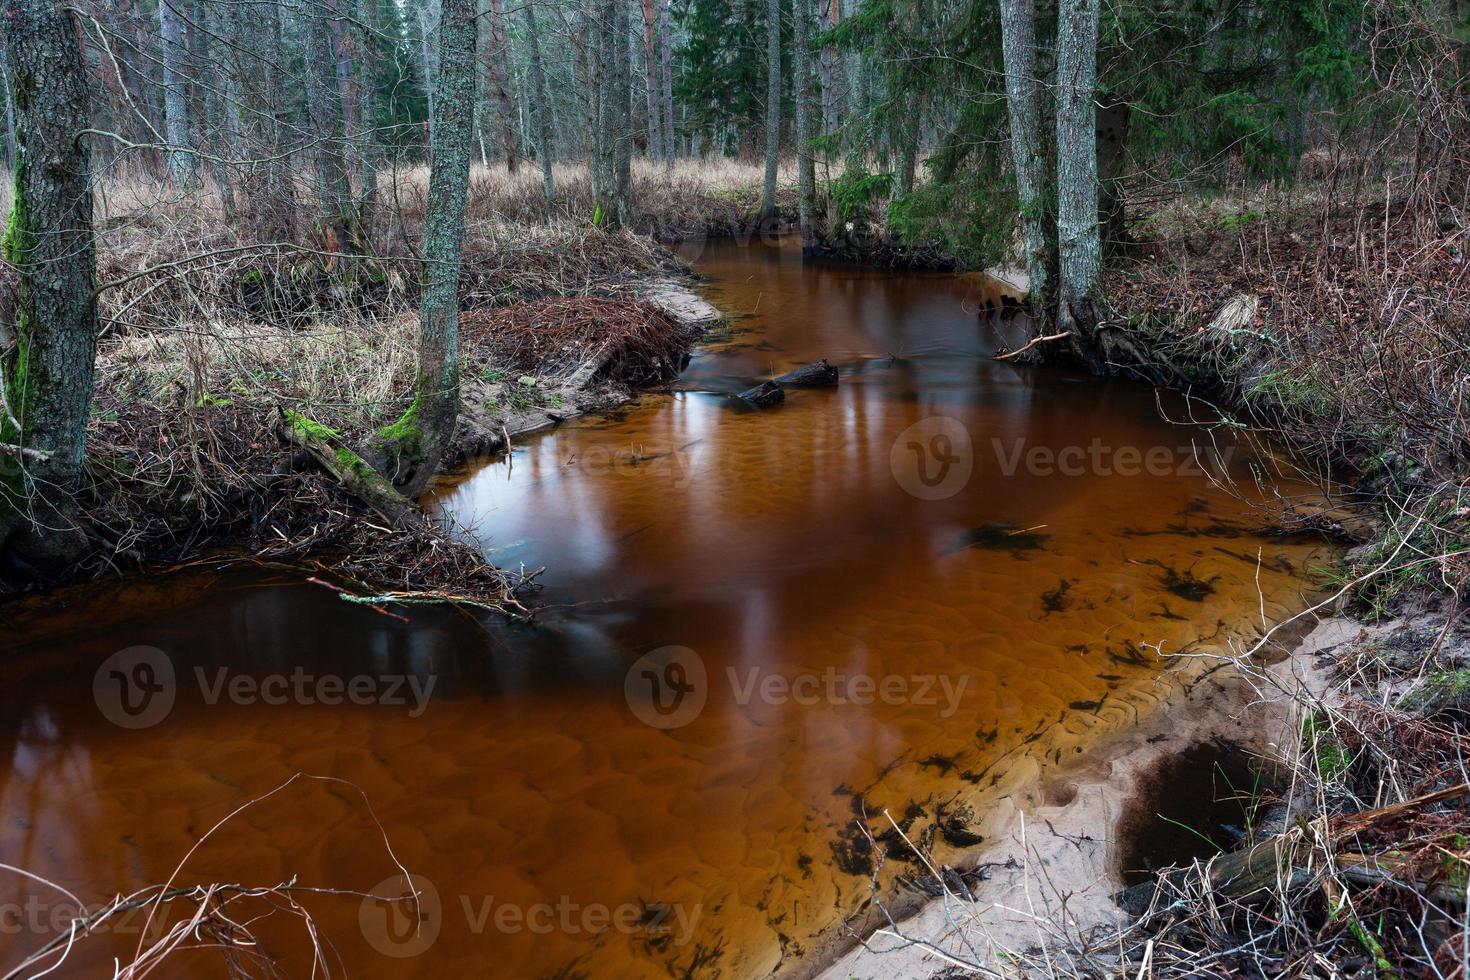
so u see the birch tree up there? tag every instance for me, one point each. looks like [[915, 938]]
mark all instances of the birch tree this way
[[1079, 251], [1023, 104], [47, 355], [413, 446]]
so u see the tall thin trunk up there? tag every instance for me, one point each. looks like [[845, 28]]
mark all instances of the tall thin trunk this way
[[1023, 104], [650, 82], [1079, 252], [911, 128], [585, 40], [666, 55], [609, 124], [773, 106], [415, 444], [175, 97], [367, 148], [542, 113], [47, 376], [347, 63], [216, 132], [806, 174], [497, 53], [324, 109], [623, 162], [828, 19]]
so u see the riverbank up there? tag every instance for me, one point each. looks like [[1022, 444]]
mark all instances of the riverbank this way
[[1339, 334], [213, 339]]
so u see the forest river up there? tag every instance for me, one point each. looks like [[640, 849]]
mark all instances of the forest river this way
[[905, 593]]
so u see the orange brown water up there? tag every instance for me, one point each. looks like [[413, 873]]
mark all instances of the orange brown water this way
[[562, 834]]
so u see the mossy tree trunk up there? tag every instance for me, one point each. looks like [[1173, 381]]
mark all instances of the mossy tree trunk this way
[[414, 445], [49, 352]]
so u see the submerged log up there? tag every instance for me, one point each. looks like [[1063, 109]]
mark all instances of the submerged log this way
[[358, 478], [819, 374], [763, 395]]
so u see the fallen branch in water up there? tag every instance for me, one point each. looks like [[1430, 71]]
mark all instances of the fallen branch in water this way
[[1033, 343]]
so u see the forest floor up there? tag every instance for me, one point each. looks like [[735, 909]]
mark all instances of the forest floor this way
[[1342, 334], [213, 331]]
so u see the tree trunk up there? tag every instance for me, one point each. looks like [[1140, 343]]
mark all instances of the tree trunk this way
[[367, 146], [773, 107], [651, 83], [1078, 243], [806, 172], [666, 43], [1113, 118], [497, 53], [542, 113], [623, 141], [324, 109], [827, 19], [218, 132], [175, 103], [46, 374], [1023, 102], [413, 446]]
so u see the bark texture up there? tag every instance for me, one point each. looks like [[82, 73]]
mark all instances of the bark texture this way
[[50, 352], [414, 445], [1079, 249], [497, 53], [1023, 103]]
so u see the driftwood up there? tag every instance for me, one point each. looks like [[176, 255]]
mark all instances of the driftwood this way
[[1036, 340], [763, 395], [818, 374], [357, 477]]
